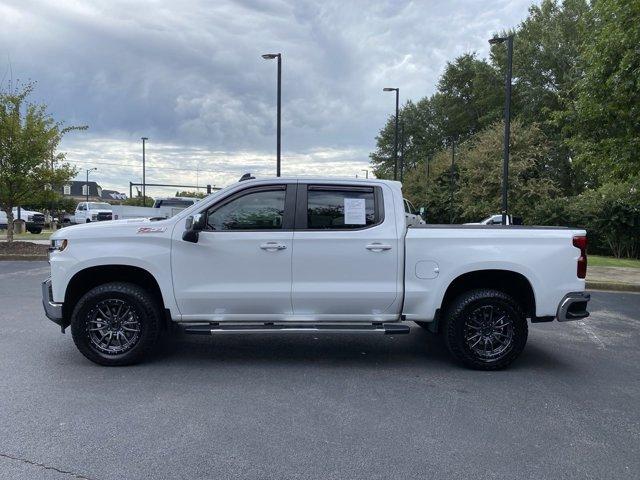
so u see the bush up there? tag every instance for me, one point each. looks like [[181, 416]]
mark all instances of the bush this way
[[610, 214]]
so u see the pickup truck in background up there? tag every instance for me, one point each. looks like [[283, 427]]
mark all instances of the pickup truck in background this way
[[87, 212], [311, 255], [497, 220], [34, 221], [414, 218]]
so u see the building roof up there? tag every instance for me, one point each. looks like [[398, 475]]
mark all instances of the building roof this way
[[113, 195]]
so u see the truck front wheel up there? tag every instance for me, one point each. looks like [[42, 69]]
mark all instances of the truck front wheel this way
[[116, 324], [485, 329]]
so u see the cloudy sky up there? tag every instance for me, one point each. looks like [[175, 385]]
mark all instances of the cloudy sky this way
[[188, 75]]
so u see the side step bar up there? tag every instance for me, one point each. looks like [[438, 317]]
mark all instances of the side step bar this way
[[215, 329]]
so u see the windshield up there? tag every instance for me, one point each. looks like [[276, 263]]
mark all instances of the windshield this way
[[98, 205]]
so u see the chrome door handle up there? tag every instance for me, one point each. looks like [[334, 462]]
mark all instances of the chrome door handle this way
[[378, 247], [272, 246]]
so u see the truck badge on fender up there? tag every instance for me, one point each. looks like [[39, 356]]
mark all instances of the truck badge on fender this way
[[151, 229]]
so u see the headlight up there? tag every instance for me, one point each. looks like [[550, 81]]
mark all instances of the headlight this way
[[94, 216], [29, 218], [58, 245]]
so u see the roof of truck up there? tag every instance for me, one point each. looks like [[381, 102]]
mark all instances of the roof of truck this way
[[314, 178]]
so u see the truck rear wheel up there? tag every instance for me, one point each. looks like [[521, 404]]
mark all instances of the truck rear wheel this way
[[116, 324], [485, 329]]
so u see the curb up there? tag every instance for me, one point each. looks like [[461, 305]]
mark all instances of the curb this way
[[613, 286], [15, 256]]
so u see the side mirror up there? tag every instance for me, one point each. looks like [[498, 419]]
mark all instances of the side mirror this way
[[423, 213], [193, 226]]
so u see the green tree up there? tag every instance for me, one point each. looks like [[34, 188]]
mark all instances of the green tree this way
[[468, 97], [466, 101], [139, 201], [546, 68], [480, 188], [190, 194], [29, 137], [472, 190], [602, 123]]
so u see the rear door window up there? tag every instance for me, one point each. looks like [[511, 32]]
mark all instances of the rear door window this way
[[338, 208]]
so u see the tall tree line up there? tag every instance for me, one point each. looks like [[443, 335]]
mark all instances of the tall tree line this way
[[575, 148]]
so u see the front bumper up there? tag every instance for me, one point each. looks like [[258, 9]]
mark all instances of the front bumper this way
[[52, 310], [573, 307]]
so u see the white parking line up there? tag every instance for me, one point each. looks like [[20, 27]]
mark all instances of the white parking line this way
[[591, 333]]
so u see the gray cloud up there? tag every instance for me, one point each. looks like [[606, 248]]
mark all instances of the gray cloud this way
[[189, 75]]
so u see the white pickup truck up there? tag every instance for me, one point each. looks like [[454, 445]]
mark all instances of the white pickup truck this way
[[87, 212], [309, 255]]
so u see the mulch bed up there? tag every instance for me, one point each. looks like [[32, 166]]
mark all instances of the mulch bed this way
[[23, 248]]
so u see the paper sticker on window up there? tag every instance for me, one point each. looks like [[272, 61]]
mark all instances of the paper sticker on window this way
[[354, 211]]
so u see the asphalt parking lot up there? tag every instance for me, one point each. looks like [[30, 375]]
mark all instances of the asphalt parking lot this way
[[326, 406]]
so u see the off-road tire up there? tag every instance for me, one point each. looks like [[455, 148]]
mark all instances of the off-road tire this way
[[147, 314], [461, 313]]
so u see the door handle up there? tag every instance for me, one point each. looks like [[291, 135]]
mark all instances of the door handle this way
[[273, 246], [378, 247]]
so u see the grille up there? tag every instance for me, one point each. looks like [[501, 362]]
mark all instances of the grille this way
[[104, 216]]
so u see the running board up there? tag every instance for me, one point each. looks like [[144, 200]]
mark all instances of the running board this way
[[215, 329]]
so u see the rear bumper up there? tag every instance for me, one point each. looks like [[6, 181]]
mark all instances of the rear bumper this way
[[52, 310], [573, 307]]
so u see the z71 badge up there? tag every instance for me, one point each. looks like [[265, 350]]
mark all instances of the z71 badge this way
[[151, 229]]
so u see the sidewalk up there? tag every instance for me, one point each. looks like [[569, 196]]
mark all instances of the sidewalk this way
[[613, 278], [38, 242]]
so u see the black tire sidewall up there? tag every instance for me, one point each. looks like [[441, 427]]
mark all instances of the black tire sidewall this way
[[146, 310], [455, 325]]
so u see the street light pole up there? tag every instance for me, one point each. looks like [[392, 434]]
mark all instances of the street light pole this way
[[401, 151], [453, 159], [87, 182], [144, 192], [270, 56], [395, 134], [507, 121]]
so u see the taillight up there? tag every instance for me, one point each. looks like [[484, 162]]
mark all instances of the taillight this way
[[581, 243]]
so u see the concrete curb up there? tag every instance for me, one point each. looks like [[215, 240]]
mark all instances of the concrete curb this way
[[614, 286], [15, 256]]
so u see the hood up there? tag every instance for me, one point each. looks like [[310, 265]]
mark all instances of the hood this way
[[111, 228], [24, 211]]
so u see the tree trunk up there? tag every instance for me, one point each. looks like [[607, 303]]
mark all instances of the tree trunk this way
[[9, 212]]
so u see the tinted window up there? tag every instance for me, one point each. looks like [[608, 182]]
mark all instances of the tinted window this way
[[263, 210], [174, 203], [326, 209]]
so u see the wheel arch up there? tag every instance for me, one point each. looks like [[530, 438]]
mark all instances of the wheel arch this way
[[90, 277], [512, 283]]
